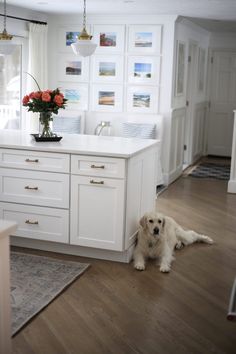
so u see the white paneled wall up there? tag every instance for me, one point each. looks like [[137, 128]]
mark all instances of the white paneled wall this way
[[199, 126], [177, 144]]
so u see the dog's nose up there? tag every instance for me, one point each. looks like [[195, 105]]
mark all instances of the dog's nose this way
[[156, 231]]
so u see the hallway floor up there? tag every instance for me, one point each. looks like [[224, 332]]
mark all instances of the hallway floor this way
[[113, 308]]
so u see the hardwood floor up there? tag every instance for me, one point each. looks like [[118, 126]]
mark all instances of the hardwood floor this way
[[113, 308]]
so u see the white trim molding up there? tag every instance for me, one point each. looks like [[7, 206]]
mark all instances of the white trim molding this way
[[232, 181]]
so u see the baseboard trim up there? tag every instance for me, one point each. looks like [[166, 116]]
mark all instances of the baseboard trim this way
[[232, 186], [123, 257]]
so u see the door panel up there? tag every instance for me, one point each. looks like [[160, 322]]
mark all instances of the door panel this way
[[223, 102]]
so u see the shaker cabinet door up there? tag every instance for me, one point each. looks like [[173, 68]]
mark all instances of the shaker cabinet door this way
[[97, 212]]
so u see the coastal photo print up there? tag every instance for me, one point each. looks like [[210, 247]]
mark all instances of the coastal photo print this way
[[142, 99], [107, 68], [107, 98], [144, 70], [144, 39], [66, 36], [76, 94], [73, 68], [109, 38]]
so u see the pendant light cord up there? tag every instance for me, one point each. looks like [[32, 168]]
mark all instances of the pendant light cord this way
[[5, 15], [84, 15]]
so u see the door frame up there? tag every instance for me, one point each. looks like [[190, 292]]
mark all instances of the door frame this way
[[190, 93], [211, 51]]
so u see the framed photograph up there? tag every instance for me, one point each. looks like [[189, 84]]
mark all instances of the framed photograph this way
[[144, 39], [180, 68], [76, 94], [68, 35], [109, 38], [108, 68], [201, 68], [143, 99], [73, 68], [107, 98], [143, 70]]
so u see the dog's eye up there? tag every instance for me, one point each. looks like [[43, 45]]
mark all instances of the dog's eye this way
[[151, 221], [159, 221]]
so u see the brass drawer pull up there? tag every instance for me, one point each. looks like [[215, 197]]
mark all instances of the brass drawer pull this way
[[31, 222], [95, 182], [29, 160], [31, 188], [94, 166]]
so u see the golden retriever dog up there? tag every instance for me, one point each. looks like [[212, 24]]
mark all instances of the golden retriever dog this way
[[158, 236]]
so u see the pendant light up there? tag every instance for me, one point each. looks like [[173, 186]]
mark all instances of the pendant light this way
[[6, 47], [84, 45], [4, 36]]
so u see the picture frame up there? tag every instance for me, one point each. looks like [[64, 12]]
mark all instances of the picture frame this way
[[108, 68], [107, 98], [109, 38], [180, 68], [201, 68], [142, 99], [77, 95], [73, 68], [144, 39], [67, 35], [143, 70]]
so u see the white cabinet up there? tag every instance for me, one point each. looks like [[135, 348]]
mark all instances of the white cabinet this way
[[34, 191], [38, 223], [35, 160], [98, 166], [34, 187], [97, 212], [85, 195]]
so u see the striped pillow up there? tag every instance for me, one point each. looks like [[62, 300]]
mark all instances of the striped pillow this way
[[69, 125], [139, 130]]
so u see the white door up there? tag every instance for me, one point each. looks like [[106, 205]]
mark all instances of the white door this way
[[97, 212], [222, 103], [190, 93]]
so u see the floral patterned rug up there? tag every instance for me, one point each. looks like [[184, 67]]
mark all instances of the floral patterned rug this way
[[35, 282]]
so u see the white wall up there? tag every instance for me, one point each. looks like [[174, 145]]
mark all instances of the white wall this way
[[224, 40], [187, 32], [93, 118]]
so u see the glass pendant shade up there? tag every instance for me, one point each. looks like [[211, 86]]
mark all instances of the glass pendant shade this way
[[84, 45]]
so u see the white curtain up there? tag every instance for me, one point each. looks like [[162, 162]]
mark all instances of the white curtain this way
[[38, 67]]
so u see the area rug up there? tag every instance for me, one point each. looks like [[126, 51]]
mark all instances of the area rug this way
[[211, 170], [35, 282]]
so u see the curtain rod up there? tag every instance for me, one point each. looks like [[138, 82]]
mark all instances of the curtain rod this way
[[25, 19]]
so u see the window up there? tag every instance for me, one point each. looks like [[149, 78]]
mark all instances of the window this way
[[10, 88]]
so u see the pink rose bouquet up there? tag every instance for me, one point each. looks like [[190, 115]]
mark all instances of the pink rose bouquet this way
[[44, 101]]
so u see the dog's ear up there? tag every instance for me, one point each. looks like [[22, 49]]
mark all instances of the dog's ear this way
[[143, 221], [163, 223]]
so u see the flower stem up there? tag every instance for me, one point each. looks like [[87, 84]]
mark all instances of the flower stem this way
[[33, 79]]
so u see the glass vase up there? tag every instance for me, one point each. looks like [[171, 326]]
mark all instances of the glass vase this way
[[45, 119]]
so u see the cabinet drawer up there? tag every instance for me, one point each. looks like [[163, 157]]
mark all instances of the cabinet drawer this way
[[38, 223], [35, 160], [33, 187], [98, 166]]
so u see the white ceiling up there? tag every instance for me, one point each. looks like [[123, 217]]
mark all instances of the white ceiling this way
[[212, 9]]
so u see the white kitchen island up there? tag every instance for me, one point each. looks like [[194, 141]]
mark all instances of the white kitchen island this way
[[83, 195], [6, 229]]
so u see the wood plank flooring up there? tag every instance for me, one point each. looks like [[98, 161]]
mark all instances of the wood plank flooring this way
[[113, 308]]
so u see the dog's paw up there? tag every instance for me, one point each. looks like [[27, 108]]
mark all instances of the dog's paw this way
[[139, 266], [179, 245], [207, 239], [164, 268]]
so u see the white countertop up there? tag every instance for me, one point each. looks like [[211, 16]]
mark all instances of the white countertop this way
[[6, 228], [78, 144]]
